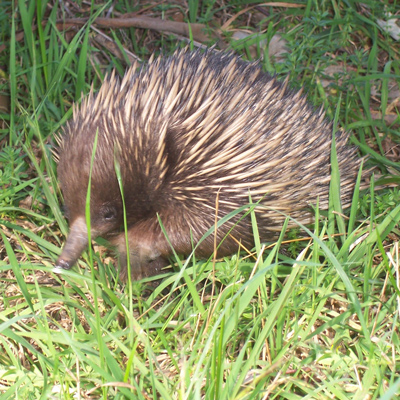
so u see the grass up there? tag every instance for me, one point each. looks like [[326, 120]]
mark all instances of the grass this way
[[315, 318]]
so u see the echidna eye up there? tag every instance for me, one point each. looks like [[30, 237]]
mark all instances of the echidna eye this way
[[109, 214]]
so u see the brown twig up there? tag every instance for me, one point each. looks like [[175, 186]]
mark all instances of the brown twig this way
[[159, 25], [180, 28]]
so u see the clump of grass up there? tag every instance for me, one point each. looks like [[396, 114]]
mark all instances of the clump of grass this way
[[313, 318]]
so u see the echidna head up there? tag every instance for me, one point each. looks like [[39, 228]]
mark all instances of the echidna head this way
[[105, 204]]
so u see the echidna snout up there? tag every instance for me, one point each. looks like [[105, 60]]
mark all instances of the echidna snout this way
[[195, 135], [75, 245]]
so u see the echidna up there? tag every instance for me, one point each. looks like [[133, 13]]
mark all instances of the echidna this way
[[194, 134]]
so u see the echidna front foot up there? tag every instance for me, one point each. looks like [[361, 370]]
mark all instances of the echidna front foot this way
[[140, 269], [145, 257]]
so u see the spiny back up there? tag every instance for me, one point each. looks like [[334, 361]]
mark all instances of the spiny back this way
[[193, 125]]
